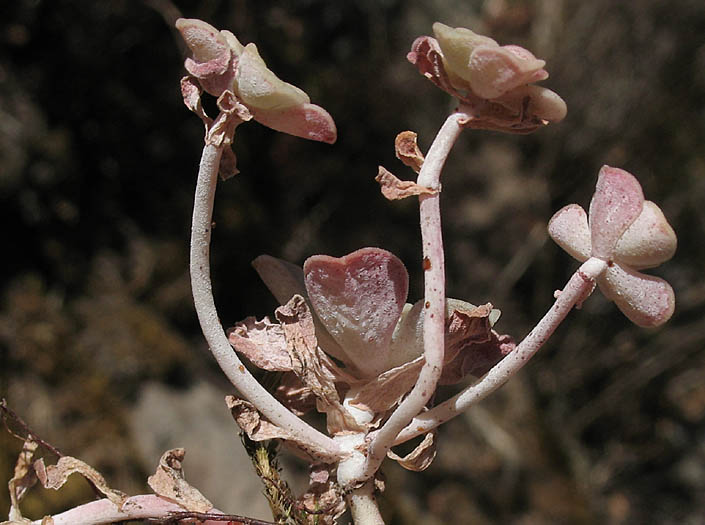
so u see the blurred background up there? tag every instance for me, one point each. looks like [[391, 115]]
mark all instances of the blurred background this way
[[100, 350]]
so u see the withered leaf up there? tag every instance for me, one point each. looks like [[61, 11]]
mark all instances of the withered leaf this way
[[421, 457], [386, 390], [23, 478], [394, 188], [258, 429], [323, 496], [408, 151], [54, 477], [311, 365], [168, 482], [263, 343]]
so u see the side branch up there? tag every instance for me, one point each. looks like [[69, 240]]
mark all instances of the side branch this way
[[434, 295], [322, 446], [576, 290]]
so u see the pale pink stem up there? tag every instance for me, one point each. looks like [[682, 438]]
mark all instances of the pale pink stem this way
[[105, 511], [434, 296], [363, 505], [320, 444], [576, 290]]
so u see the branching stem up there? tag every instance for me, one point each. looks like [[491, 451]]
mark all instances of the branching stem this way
[[576, 290], [434, 296]]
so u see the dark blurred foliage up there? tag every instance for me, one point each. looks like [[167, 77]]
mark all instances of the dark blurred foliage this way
[[97, 167]]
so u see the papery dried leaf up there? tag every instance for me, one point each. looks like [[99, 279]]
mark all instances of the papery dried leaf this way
[[421, 457], [359, 298], [468, 324], [232, 114], [476, 359], [407, 150], [228, 164], [294, 395], [23, 479], [396, 189], [616, 204], [191, 93], [427, 56], [258, 429], [310, 364], [407, 341], [168, 482], [263, 343], [323, 499], [54, 476], [387, 389]]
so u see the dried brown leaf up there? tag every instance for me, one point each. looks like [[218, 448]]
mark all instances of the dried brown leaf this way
[[263, 343], [54, 477], [394, 188], [258, 429], [168, 482], [23, 478], [408, 151], [421, 457], [315, 370], [323, 499], [386, 390]]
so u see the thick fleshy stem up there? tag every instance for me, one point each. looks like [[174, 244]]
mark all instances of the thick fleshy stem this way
[[143, 507], [434, 296], [363, 505], [578, 288], [318, 444], [360, 498]]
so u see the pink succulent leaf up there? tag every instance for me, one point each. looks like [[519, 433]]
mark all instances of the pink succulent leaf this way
[[260, 88], [494, 70], [386, 390], [359, 298], [285, 280], [407, 339], [534, 104], [617, 202], [569, 229], [307, 121], [476, 358], [649, 241], [312, 366], [206, 43], [263, 343], [421, 457], [212, 63], [646, 300]]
